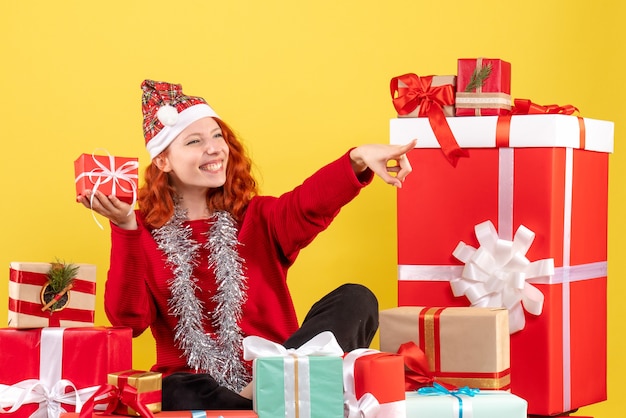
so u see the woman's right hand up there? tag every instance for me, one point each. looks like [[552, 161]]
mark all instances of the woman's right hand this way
[[118, 212]]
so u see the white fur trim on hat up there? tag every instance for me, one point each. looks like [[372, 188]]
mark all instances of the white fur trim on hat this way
[[175, 125]]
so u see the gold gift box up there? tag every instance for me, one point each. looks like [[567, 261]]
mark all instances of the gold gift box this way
[[147, 384]]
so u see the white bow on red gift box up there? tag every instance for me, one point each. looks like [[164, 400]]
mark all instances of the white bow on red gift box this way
[[497, 273], [49, 391], [367, 406], [122, 178]]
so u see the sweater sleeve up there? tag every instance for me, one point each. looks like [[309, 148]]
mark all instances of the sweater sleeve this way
[[298, 216], [127, 300]]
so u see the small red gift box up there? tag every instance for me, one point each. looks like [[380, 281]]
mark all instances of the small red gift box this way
[[374, 381], [57, 368], [27, 283], [108, 174], [550, 176], [483, 87]]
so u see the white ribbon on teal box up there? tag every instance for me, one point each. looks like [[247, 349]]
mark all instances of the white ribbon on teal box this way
[[297, 383]]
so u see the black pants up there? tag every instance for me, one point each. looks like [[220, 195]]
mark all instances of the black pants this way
[[350, 312]]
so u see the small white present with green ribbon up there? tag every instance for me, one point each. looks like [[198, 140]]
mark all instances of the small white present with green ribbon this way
[[306, 382]]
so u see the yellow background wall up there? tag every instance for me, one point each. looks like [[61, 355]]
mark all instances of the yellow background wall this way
[[301, 82]]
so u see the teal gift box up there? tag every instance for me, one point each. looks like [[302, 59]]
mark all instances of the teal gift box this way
[[481, 404], [313, 384], [303, 382]]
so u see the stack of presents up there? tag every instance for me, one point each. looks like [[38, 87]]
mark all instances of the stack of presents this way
[[502, 274]]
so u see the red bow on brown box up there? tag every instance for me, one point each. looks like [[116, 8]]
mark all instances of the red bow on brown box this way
[[419, 91], [417, 374], [131, 392]]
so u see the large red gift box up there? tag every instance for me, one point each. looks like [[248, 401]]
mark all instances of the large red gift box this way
[[108, 174], [373, 384], [26, 283], [492, 97], [54, 368], [549, 176]]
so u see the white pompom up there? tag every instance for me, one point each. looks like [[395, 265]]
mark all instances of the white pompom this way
[[168, 115]]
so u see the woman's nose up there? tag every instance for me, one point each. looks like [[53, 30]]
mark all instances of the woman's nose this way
[[211, 147]]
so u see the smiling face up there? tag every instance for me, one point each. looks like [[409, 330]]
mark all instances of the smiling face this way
[[196, 160]]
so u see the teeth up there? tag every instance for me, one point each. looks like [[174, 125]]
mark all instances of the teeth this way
[[213, 166]]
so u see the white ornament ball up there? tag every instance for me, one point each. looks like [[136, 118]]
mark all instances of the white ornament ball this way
[[168, 115]]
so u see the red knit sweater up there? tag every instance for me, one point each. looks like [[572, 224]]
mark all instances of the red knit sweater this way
[[272, 232]]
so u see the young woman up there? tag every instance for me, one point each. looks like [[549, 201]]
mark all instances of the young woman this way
[[203, 261]]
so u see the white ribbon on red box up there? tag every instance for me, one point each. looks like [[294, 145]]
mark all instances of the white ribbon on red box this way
[[102, 174], [367, 406], [49, 390], [564, 275]]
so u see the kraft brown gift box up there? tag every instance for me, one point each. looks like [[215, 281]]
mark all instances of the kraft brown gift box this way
[[464, 346], [438, 80]]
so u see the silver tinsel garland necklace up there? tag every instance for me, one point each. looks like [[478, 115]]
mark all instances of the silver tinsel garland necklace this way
[[218, 355]]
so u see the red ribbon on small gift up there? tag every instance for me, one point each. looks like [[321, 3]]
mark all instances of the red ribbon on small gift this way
[[527, 107], [417, 374], [420, 92], [39, 279], [112, 396]]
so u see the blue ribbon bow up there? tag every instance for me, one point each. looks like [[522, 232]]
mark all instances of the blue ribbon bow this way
[[438, 390]]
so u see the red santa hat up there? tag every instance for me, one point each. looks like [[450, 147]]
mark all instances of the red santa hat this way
[[167, 111]]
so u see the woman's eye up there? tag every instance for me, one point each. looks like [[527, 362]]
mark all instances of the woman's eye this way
[[218, 135], [193, 141]]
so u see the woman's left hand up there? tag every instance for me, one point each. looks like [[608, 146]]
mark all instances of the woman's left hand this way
[[376, 157]]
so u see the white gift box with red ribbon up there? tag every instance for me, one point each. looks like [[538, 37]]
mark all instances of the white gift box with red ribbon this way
[[548, 175], [26, 308]]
